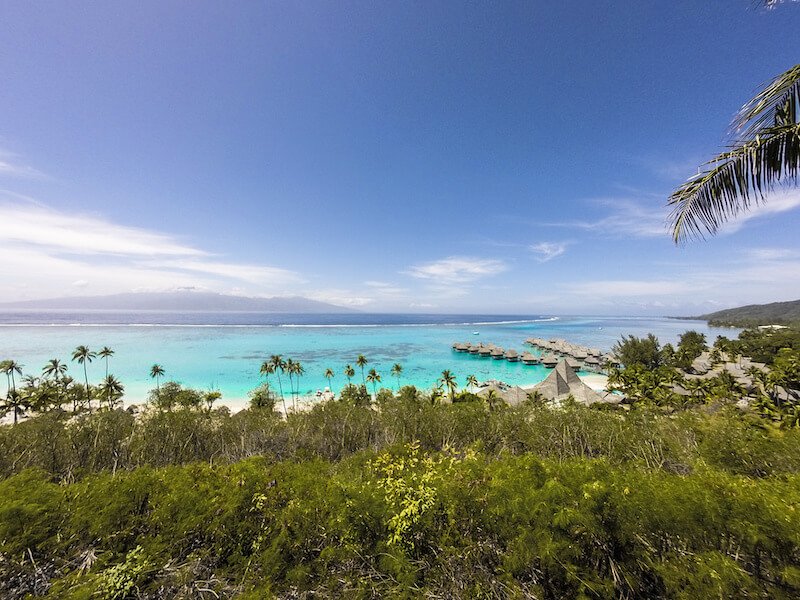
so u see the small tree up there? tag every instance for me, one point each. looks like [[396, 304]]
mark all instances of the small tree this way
[[262, 398], [632, 351]]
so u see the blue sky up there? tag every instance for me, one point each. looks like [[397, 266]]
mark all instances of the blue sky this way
[[490, 157]]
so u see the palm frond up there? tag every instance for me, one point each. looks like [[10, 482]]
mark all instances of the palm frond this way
[[738, 179], [777, 104]]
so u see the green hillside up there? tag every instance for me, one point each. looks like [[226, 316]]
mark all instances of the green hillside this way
[[775, 313]]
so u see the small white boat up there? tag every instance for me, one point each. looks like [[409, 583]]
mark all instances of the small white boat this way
[[476, 333]]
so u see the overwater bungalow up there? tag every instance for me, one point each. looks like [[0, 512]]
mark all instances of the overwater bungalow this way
[[512, 356], [529, 359], [592, 363], [573, 364], [485, 351], [497, 353], [609, 360], [550, 361], [475, 348]]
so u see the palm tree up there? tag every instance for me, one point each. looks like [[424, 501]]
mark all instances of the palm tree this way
[[361, 361], [374, 378], [4, 369], [267, 368], [279, 365], [472, 381], [349, 372], [764, 153], [298, 371], [493, 399], [329, 375], [54, 369], [105, 352], [449, 381], [156, 372], [10, 367], [397, 370], [83, 355], [289, 368], [112, 389], [15, 402]]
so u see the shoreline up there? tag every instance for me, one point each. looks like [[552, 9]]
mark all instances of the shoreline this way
[[596, 381]]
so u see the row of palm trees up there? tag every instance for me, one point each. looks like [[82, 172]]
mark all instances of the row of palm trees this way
[[277, 365], [54, 386], [293, 368], [448, 381]]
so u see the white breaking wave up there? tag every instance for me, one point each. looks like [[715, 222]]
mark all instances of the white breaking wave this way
[[284, 325]]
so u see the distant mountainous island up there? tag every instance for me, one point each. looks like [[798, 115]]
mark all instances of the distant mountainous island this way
[[753, 315], [181, 301]]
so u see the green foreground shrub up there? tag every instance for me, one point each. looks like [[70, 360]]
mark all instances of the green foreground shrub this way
[[405, 523], [406, 499]]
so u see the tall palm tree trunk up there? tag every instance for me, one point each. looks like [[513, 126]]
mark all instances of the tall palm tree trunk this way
[[280, 387], [86, 378]]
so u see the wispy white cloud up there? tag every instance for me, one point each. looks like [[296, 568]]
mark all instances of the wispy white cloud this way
[[615, 288], [83, 234], [751, 276], [383, 288], [628, 217], [776, 202], [548, 250], [12, 165], [625, 217], [342, 297], [770, 254], [457, 269], [257, 274], [46, 252]]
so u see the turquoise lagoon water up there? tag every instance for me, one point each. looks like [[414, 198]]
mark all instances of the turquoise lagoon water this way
[[224, 351]]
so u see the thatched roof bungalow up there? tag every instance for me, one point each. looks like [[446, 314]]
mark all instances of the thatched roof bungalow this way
[[563, 382], [549, 361]]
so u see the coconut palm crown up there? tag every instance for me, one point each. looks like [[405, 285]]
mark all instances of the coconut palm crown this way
[[764, 153], [83, 355], [397, 370], [156, 372], [105, 352]]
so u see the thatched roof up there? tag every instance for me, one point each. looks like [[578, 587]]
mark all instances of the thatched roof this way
[[563, 382], [513, 396], [550, 359]]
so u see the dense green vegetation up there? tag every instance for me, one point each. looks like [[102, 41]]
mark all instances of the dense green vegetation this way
[[409, 493], [753, 315], [414, 499]]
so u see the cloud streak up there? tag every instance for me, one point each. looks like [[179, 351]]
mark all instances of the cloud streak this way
[[627, 217], [80, 234], [457, 269], [547, 251], [47, 252], [10, 166]]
